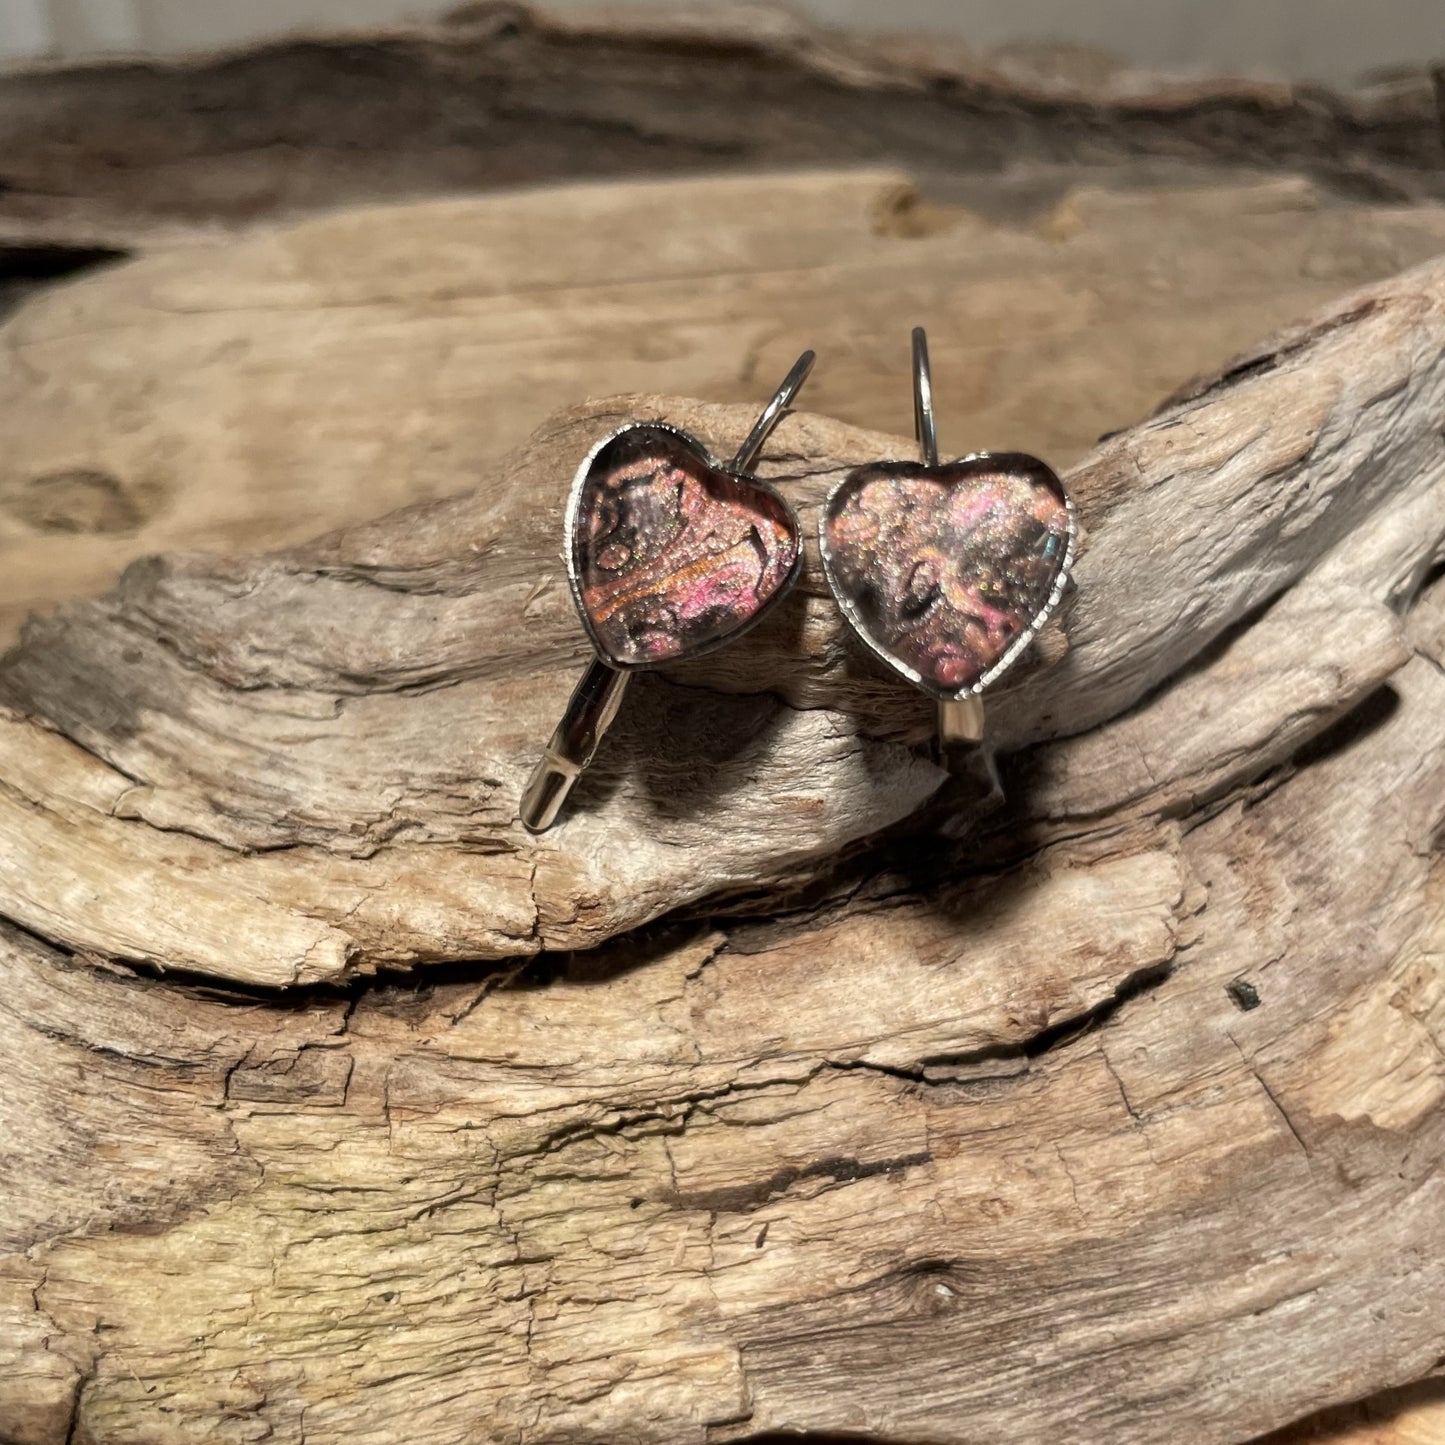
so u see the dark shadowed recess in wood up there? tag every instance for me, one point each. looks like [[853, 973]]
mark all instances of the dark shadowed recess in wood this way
[[501, 97]]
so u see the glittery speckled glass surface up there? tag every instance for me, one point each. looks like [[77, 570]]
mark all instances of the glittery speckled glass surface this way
[[671, 555], [944, 567]]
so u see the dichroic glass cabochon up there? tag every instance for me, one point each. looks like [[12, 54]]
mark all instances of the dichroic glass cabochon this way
[[944, 567], [672, 555]]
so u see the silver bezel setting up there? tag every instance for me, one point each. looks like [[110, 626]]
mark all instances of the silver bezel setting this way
[[574, 503], [1017, 647]]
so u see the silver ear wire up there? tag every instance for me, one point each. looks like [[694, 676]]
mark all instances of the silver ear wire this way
[[924, 426], [960, 721], [598, 694], [590, 711], [772, 413]]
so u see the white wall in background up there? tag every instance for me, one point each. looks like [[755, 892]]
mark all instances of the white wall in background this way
[[84, 27], [1323, 39], [25, 27]]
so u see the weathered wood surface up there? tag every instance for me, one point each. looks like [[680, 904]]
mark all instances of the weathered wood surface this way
[[837, 1159], [420, 662], [249, 396], [980, 1139], [503, 94], [155, 155]]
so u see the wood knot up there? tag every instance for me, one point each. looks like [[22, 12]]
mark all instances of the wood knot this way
[[78, 499]]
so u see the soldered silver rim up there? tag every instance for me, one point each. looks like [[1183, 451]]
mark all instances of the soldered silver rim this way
[[1014, 650], [574, 582]]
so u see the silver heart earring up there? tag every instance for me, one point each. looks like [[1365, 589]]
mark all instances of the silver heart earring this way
[[670, 555], [947, 571]]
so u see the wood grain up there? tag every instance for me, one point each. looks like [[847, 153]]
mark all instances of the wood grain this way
[[502, 94], [250, 396], [966, 1114], [784, 1092]]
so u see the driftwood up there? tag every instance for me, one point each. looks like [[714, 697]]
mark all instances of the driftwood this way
[[248, 396], [1114, 1114], [500, 94], [1103, 303]]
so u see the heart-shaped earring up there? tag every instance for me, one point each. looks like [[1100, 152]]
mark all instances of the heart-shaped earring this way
[[670, 555], [947, 571]]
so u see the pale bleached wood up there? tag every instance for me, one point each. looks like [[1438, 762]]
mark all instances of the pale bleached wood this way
[[843, 1164], [457, 1215], [851, 1162], [498, 95], [395, 354], [335, 738]]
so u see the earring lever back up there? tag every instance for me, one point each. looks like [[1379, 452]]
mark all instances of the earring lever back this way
[[598, 695], [960, 720]]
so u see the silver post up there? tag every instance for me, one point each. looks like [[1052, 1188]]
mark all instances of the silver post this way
[[772, 413], [597, 696], [923, 424], [960, 720]]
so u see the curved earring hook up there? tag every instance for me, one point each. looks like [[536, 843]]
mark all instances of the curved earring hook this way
[[772, 413], [924, 427], [960, 720], [598, 695]]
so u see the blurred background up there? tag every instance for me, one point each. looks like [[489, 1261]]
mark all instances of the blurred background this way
[[1330, 40]]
